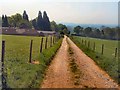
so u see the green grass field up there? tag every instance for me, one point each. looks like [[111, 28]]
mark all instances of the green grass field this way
[[20, 73], [107, 61], [109, 46]]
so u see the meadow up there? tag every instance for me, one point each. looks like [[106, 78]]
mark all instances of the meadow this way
[[107, 60], [109, 46], [19, 72]]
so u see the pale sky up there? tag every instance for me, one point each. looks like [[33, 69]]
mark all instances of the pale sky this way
[[69, 11]]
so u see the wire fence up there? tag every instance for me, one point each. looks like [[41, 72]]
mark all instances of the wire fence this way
[[106, 48], [27, 51]]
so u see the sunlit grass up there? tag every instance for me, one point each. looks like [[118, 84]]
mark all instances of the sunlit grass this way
[[107, 61], [20, 73]]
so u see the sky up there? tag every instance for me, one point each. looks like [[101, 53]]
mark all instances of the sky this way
[[67, 11]]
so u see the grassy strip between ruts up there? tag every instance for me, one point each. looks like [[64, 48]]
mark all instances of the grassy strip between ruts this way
[[76, 73], [109, 65], [28, 75]]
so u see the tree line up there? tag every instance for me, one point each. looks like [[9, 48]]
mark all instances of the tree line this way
[[41, 22], [22, 21], [103, 32]]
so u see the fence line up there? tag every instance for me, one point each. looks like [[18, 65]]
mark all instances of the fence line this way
[[4, 75], [93, 47]]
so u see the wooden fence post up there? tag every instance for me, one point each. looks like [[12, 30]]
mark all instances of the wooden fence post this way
[[4, 85], [115, 52], [41, 45], [46, 43], [30, 57], [102, 49], [51, 41], [94, 46]]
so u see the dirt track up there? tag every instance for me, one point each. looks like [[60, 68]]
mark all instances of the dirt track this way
[[59, 75]]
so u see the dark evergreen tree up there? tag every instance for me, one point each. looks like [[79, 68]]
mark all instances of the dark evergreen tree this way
[[46, 22], [3, 21], [39, 21], [25, 16], [6, 21]]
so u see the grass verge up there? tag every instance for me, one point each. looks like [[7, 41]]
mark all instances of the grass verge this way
[[46, 56], [21, 74], [107, 64]]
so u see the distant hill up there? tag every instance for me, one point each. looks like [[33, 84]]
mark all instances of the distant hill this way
[[90, 25]]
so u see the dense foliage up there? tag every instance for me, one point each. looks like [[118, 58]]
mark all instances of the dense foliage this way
[[103, 32]]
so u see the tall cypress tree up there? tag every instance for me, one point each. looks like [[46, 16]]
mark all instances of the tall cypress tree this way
[[46, 22], [6, 21], [3, 21], [25, 16], [39, 21]]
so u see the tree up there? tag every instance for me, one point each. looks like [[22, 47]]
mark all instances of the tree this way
[[78, 29], [25, 16], [88, 31], [5, 21], [24, 24], [46, 22], [14, 20], [109, 33], [96, 33], [63, 29], [39, 21], [34, 23], [54, 26]]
